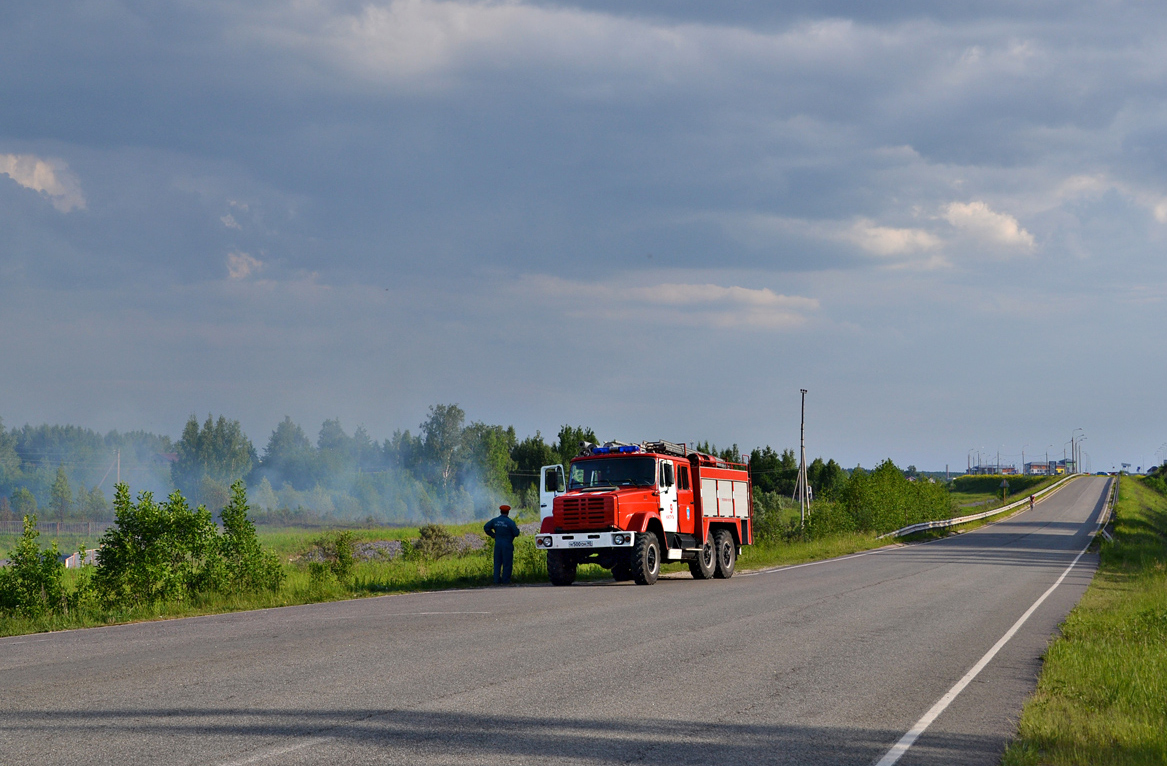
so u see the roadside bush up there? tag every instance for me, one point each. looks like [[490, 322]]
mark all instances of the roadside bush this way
[[32, 585], [337, 551], [828, 518], [1156, 482], [769, 516], [530, 564], [249, 566], [434, 541], [157, 552], [166, 552], [884, 499]]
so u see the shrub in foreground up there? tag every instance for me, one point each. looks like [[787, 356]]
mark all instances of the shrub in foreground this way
[[169, 552], [32, 585]]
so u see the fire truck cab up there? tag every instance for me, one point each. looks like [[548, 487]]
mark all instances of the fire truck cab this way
[[632, 507]]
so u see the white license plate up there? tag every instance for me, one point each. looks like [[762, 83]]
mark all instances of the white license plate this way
[[580, 543]]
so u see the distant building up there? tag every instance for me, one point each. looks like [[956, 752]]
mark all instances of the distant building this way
[[74, 561], [1038, 469], [995, 469]]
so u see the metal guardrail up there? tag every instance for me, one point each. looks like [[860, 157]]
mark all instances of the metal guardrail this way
[[1111, 501], [957, 521]]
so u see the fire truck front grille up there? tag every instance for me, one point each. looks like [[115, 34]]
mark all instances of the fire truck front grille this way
[[585, 513]]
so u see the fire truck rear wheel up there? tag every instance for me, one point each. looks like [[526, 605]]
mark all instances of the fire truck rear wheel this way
[[705, 565], [560, 568], [726, 554], [646, 559]]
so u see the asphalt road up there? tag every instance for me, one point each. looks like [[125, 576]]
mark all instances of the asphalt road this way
[[826, 663]]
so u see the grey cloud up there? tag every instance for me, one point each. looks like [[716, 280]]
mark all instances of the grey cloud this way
[[573, 143]]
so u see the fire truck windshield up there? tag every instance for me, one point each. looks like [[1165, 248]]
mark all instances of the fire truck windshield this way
[[613, 472]]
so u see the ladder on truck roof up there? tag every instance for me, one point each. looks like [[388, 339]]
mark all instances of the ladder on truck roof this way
[[667, 448]]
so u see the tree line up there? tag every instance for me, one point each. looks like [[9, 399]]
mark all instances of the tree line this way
[[449, 469]]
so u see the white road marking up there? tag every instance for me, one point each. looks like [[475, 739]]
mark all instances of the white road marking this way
[[423, 614], [914, 733], [279, 751]]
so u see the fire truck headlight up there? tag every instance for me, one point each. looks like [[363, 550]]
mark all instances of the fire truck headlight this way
[[543, 542], [618, 539]]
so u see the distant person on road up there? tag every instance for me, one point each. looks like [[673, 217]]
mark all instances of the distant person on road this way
[[1031, 502], [503, 530]]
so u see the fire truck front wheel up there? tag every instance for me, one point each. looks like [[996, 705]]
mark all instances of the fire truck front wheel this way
[[560, 568], [726, 550], [646, 559]]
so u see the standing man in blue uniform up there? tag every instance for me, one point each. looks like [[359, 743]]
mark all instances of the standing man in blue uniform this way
[[503, 530]]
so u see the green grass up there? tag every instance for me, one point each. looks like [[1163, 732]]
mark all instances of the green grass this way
[[66, 543], [370, 578], [989, 499], [1102, 694]]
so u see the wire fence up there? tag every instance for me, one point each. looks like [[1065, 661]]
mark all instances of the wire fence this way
[[58, 528]]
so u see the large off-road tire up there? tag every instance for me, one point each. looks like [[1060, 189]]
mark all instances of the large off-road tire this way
[[726, 551], [646, 559], [560, 568], [705, 565]]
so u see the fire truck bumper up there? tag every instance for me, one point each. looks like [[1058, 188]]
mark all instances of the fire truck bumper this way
[[585, 540]]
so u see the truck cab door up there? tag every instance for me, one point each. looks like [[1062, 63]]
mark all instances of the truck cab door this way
[[667, 485], [551, 486]]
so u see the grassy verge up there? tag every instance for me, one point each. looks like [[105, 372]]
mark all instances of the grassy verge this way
[[1102, 694], [66, 543], [975, 502], [400, 575]]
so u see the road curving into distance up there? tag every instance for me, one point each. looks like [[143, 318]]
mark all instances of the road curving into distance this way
[[826, 663]]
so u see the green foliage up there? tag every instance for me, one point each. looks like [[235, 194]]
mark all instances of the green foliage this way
[[156, 552], [529, 455], [569, 440], [219, 451], [884, 499], [249, 567], [169, 552], [31, 585], [9, 459], [829, 518], [991, 484], [773, 514], [1156, 480], [23, 502], [62, 495], [487, 457], [91, 504], [1102, 694], [434, 541], [290, 456], [773, 472], [339, 563], [442, 443], [828, 480]]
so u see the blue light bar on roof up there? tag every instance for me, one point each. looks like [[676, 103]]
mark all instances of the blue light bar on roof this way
[[630, 448], [600, 450]]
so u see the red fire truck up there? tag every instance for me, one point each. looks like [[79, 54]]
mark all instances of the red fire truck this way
[[632, 507]]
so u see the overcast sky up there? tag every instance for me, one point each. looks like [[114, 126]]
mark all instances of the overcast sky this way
[[659, 219]]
